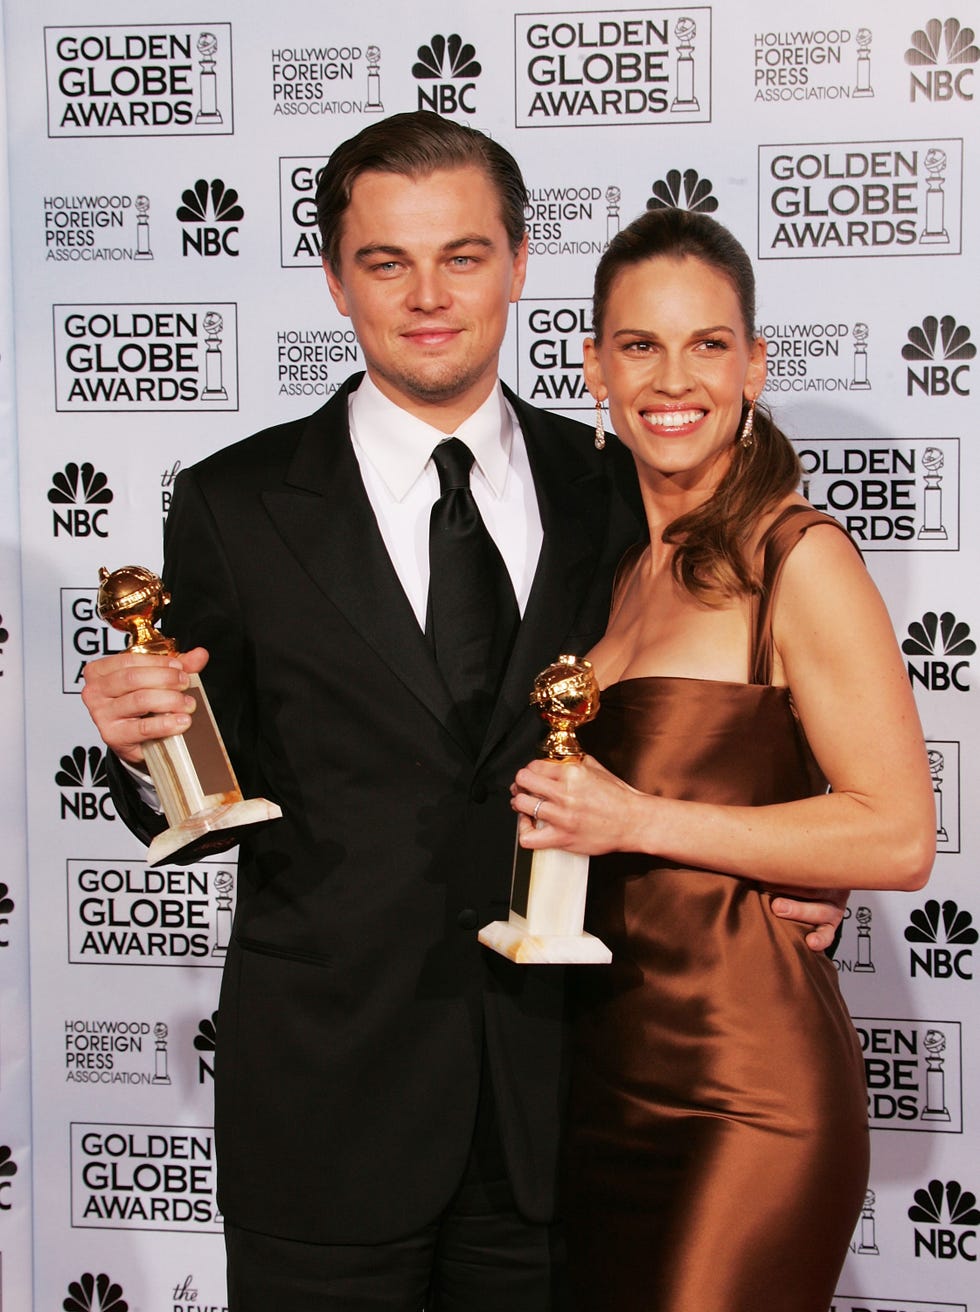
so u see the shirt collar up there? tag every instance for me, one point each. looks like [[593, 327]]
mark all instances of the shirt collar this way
[[399, 446]]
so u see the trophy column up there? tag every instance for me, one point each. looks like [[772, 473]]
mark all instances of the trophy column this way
[[191, 772], [548, 888]]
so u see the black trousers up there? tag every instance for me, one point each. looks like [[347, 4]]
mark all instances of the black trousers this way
[[481, 1255]]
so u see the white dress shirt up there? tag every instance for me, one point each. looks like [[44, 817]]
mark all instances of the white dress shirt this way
[[394, 452]]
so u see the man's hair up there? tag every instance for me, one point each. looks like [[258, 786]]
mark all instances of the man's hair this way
[[414, 144]]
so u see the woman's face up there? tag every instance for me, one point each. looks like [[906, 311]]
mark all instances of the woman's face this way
[[676, 365]]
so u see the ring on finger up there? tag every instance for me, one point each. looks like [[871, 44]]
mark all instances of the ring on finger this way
[[534, 813]]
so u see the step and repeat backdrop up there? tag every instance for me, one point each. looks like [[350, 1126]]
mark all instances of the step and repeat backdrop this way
[[167, 299]]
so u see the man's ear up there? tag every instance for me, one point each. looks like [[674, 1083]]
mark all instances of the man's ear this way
[[336, 288], [520, 271]]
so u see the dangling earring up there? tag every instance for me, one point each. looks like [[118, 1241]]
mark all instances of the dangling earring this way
[[600, 432], [745, 440]]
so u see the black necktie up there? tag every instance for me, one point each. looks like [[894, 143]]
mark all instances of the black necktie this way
[[472, 614]]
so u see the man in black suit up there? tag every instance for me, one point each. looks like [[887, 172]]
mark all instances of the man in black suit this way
[[388, 1093]]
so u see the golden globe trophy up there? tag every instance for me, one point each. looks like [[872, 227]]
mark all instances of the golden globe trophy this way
[[547, 896], [194, 780]]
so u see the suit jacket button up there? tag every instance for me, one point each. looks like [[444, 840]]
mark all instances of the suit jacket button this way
[[479, 793], [467, 919]]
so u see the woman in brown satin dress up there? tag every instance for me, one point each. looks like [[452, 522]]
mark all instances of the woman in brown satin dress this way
[[718, 1141]]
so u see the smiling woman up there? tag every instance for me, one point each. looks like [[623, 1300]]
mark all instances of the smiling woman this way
[[678, 387], [719, 1117]]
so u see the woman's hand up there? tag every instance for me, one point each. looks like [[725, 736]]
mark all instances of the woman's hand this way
[[579, 806]]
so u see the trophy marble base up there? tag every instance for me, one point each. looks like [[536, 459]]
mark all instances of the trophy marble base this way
[[528, 949], [198, 790], [209, 831], [547, 908]]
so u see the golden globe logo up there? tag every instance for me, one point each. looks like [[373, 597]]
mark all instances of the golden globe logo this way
[[139, 81], [299, 238], [613, 67], [549, 339], [133, 915], [898, 495], [164, 356], [831, 200], [913, 1070], [143, 1177]]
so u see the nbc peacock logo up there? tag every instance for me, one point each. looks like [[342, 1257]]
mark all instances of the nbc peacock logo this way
[[951, 1216], [935, 340], [205, 1041], [683, 191], [6, 911], [446, 69], [84, 784], [76, 488], [942, 56], [210, 214], [95, 1294], [8, 1169], [944, 642], [943, 936]]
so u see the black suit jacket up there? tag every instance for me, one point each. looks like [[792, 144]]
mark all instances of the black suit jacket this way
[[355, 997]]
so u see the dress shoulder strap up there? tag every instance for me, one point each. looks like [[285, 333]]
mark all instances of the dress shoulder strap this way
[[776, 543]]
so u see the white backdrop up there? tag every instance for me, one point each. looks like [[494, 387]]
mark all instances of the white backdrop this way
[[167, 300]]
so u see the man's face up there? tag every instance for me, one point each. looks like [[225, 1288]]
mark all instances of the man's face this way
[[426, 275]]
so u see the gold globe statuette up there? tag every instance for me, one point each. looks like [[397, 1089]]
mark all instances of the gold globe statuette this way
[[191, 771], [548, 888]]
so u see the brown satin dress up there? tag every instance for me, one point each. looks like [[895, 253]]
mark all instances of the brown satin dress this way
[[718, 1140]]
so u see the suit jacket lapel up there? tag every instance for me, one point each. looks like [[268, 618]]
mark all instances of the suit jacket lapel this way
[[324, 517], [573, 503]]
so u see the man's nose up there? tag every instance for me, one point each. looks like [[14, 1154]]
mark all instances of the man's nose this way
[[428, 289]]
